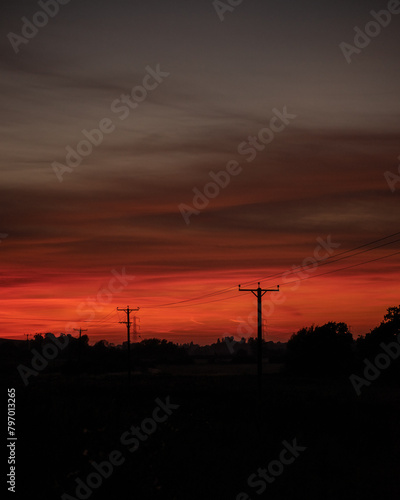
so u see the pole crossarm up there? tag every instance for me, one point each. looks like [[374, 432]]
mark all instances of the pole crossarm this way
[[259, 288], [127, 311]]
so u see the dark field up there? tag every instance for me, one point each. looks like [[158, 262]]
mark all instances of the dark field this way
[[221, 433]]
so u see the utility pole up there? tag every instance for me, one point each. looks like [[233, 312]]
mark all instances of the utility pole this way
[[135, 326], [264, 328], [259, 292], [128, 327], [80, 332], [27, 335], [79, 343]]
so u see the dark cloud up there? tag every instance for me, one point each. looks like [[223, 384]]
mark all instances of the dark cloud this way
[[324, 174]]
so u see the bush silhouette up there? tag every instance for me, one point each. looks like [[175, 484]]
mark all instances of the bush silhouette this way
[[369, 346], [321, 350]]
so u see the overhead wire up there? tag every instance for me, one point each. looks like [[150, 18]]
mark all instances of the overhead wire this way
[[292, 271], [300, 279]]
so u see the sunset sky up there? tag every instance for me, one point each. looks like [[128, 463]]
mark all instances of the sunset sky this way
[[322, 175]]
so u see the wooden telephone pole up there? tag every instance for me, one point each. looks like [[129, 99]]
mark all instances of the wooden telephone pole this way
[[128, 328], [259, 292], [80, 332], [79, 344]]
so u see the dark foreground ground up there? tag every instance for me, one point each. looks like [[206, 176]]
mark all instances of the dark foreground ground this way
[[221, 434]]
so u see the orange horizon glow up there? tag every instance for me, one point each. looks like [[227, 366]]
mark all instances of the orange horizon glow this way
[[357, 297], [319, 174]]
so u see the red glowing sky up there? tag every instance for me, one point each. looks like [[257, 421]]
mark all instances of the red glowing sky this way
[[322, 175]]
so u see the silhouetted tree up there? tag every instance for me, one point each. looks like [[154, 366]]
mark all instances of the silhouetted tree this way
[[393, 317], [37, 341], [322, 350], [369, 346]]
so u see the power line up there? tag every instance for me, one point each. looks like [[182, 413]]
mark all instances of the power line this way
[[218, 292], [225, 290], [187, 302], [293, 281], [180, 303], [103, 319], [324, 263], [341, 269], [338, 255], [59, 320]]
